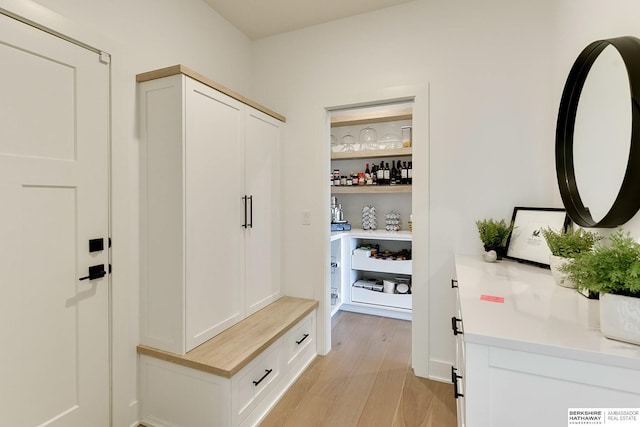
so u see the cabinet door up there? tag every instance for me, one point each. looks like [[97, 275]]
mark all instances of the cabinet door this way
[[214, 252], [262, 142]]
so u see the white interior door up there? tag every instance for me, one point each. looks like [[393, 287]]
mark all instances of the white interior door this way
[[54, 328]]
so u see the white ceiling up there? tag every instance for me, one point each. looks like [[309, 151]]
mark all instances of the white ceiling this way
[[262, 18]]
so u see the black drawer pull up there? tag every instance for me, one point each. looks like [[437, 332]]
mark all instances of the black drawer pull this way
[[303, 338], [454, 325], [454, 283], [268, 371], [454, 380]]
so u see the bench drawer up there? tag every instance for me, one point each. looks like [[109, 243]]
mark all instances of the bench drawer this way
[[252, 383], [300, 339]]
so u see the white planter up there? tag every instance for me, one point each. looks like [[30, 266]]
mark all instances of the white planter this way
[[620, 317], [555, 262]]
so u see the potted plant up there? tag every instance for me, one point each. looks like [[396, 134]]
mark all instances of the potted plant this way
[[613, 270], [494, 235], [564, 247]]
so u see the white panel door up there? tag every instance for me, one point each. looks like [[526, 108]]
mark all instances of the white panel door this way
[[262, 142], [54, 363], [214, 262]]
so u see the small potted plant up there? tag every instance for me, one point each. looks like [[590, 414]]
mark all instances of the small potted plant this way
[[613, 270], [494, 235], [564, 247]]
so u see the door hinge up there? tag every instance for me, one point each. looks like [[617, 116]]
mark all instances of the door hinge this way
[[105, 58]]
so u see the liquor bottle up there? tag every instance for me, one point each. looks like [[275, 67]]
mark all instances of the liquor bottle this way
[[404, 173], [410, 173], [387, 174], [374, 175], [381, 174], [398, 172], [393, 173]]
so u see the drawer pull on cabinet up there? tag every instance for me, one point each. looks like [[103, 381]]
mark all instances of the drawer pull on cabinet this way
[[303, 338], [268, 371], [454, 283], [454, 380], [454, 325]]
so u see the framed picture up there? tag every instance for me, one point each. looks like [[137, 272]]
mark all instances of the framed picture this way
[[526, 242]]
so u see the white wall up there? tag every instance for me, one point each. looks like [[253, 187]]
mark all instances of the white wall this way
[[496, 71], [141, 35], [489, 66]]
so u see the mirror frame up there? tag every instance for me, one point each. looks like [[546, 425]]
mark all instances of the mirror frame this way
[[627, 201]]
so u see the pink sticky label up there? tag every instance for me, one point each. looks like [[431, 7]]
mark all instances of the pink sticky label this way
[[492, 298]]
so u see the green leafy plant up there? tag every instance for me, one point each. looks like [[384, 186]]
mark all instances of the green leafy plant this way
[[570, 243], [613, 268], [494, 234]]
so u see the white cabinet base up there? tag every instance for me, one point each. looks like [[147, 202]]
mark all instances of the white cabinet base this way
[[173, 395], [506, 388]]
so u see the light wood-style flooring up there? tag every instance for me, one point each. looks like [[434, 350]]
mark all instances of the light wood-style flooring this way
[[365, 380]]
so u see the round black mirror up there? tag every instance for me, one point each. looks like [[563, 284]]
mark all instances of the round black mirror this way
[[598, 134]]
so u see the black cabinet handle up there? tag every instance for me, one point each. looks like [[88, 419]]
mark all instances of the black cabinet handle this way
[[250, 225], [454, 325], [268, 371], [454, 283], [454, 380], [244, 200], [95, 272], [303, 338]]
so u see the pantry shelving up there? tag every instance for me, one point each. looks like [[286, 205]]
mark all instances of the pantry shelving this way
[[359, 279], [372, 154], [358, 267], [370, 189]]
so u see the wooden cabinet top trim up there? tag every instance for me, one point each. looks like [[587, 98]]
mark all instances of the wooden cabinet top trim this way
[[228, 352], [181, 69]]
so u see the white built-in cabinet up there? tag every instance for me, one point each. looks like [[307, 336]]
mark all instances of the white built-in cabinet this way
[[350, 268], [529, 352], [209, 214]]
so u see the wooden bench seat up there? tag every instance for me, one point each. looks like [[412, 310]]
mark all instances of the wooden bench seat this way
[[228, 352]]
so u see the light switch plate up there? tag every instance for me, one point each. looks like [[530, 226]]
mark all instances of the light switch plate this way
[[306, 217]]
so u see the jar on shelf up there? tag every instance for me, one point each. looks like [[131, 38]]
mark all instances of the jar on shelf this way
[[392, 221], [369, 221], [406, 136], [368, 139]]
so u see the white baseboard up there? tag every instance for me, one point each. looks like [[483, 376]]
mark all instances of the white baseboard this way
[[440, 370], [374, 311], [134, 415]]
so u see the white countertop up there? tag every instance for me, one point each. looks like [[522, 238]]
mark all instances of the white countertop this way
[[536, 316], [372, 234]]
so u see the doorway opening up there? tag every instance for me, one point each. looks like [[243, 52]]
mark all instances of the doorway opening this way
[[370, 179]]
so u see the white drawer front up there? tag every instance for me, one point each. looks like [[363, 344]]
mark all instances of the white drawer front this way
[[252, 383], [300, 338]]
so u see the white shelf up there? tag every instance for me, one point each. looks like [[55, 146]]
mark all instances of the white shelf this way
[[372, 154], [380, 265], [359, 233], [366, 296], [370, 189]]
